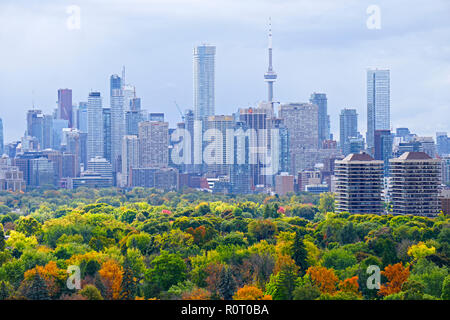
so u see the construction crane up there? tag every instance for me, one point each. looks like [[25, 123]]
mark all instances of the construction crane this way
[[179, 110]]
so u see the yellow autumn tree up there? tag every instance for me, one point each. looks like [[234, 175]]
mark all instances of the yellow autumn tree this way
[[420, 250], [112, 274]]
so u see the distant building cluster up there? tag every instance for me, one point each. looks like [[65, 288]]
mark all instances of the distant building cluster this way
[[272, 147]]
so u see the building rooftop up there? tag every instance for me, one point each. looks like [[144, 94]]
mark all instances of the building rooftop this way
[[414, 156], [358, 157]]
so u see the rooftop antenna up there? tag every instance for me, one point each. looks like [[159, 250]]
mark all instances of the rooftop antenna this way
[[32, 98]]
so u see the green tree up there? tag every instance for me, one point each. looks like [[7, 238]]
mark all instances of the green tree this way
[[413, 290], [2, 237], [128, 216], [36, 289], [326, 202], [28, 226], [338, 259], [306, 292], [5, 290], [227, 284], [129, 285], [446, 288], [262, 229], [300, 255], [348, 234], [91, 292], [167, 269], [282, 285]]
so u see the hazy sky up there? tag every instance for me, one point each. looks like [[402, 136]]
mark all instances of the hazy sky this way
[[319, 46]]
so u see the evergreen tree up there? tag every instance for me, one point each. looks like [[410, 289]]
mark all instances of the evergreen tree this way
[[227, 284], [267, 212], [285, 284], [129, 286], [446, 289], [300, 254], [4, 291], [37, 290], [100, 286], [2, 237]]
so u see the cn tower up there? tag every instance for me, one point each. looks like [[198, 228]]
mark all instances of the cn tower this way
[[270, 76]]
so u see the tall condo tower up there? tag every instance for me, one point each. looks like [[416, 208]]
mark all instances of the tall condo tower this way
[[378, 104], [270, 76], [204, 74], [117, 120], [95, 126], [65, 105]]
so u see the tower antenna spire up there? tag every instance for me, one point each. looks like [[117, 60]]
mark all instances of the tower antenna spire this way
[[270, 76]]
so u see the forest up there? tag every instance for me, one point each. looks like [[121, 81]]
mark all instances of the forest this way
[[145, 244]]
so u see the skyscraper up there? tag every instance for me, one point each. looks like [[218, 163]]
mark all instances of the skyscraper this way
[[256, 120], [57, 132], [117, 120], [95, 126], [204, 81], [442, 143], [132, 119], [320, 99], [115, 83], [222, 154], [270, 76], [82, 117], [106, 114], [135, 104], [2, 143], [153, 144], [35, 125], [301, 121], [65, 105], [348, 128], [378, 103], [383, 147], [72, 145], [130, 157]]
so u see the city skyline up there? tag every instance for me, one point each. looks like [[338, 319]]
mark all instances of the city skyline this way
[[240, 52]]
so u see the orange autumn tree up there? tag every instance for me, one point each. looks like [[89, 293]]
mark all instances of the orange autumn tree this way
[[196, 294], [198, 233], [250, 293], [52, 275], [324, 278], [396, 274], [112, 274], [350, 285]]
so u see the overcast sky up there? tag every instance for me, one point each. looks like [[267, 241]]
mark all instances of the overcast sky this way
[[319, 46]]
